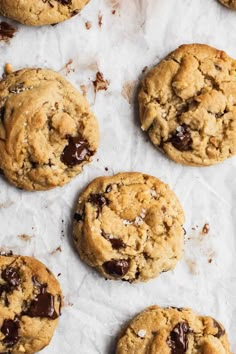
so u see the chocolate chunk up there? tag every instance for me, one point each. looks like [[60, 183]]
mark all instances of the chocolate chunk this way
[[10, 330], [76, 151], [42, 287], [116, 267], [98, 199], [6, 31], [65, 2], [117, 243], [42, 306], [182, 139], [221, 330], [79, 216], [178, 339], [12, 277], [2, 112], [109, 188], [6, 254]]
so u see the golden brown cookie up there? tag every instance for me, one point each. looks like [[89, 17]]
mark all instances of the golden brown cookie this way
[[30, 304], [129, 227], [188, 105], [47, 132], [41, 12], [229, 3], [173, 331]]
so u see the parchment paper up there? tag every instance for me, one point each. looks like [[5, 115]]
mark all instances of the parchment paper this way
[[132, 34]]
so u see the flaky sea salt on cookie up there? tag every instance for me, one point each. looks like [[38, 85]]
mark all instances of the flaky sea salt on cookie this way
[[30, 305], [47, 132], [173, 331], [188, 105], [129, 227]]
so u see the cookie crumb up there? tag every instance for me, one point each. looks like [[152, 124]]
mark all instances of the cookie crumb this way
[[100, 83], [88, 25], [142, 333], [210, 260], [128, 91], [25, 238], [205, 229], [113, 12], [84, 90], [58, 249], [100, 18]]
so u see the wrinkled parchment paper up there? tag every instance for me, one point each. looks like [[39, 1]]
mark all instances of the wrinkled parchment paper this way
[[119, 39]]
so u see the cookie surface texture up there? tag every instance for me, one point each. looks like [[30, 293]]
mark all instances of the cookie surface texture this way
[[188, 105], [173, 331], [47, 132], [129, 227], [229, 3], [30, 302], [41, 12]]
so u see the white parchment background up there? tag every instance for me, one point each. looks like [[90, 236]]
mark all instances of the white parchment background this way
[[139, 34]]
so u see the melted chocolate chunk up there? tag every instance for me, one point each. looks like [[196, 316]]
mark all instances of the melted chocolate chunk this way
[[42, 306], [12, 277], [221, 330], [182, 139], [6, 254], [116, 267], [76, 151], [10, 330], [6, 31], [79, 216], [98, 199], [117, 243], [178, 339]]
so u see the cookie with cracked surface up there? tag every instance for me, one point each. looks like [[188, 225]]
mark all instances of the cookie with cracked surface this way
[[41, 12], [47, 132], [30, 304], [129, 227], [187, 105], [229, 3], [173, 331]]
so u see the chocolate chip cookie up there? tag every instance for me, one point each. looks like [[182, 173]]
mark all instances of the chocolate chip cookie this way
[[229, 3], [41, 12], [47, 132], [30, 304], [173, 331], [188, 105], [129, 227]]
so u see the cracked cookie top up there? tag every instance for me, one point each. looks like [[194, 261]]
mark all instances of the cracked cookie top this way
[[41, 12], [173, 331], [129, 227], [188, 105], [47, 132], [229, 3], [30, 304]]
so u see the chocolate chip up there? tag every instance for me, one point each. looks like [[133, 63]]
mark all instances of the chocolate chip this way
[[109, 188], [12, 277], [98, 199], [76, 151], [42, 306], [10, 330], [79, 216], [182, 139], [2, 112], [221, 330], [117, 243], [178, 339], [116, 267]]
